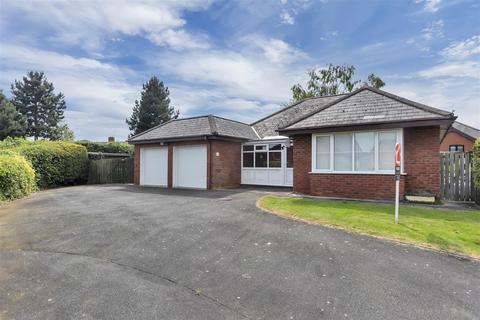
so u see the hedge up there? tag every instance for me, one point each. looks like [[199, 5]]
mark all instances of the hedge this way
[[476, 162], [106, 147], [17, 177], [55, 162]]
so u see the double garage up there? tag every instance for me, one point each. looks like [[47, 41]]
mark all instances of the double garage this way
[[185, 164]]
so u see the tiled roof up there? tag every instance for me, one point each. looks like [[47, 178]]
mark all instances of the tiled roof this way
[[195, 127], [368, 106], [466, 130], [286, 116]]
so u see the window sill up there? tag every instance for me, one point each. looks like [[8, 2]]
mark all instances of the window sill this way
[[356, 172]]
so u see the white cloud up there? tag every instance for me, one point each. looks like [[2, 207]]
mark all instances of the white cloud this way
[[179, 39], [462, 49], [275, 50], [235, 74], [286, 17], [433, 30], [467, 69], [86, 23], [430, 5]]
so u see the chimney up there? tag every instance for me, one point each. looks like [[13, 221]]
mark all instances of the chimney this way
[[111, 139]]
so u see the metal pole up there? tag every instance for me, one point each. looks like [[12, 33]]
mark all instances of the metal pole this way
[[397, 198]]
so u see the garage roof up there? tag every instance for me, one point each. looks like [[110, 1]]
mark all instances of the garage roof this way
[[201, 126]]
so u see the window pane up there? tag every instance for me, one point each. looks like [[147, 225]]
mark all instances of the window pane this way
[[275, 160], [343, 152], [453, 148], [276, 146], [290, 157], [365, 151], [248, 160], [261, 147], [460, 148], [323, 153], [248, 148], [260, 160], [386, 150]]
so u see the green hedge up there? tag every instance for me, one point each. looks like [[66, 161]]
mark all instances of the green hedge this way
[[55, 162], [17, 177], [476, 162], [106, 147]]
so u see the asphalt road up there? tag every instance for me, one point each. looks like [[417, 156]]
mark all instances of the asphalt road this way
[[125, 252]]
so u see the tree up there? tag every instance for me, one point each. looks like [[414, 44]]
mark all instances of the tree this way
[[153, 108], [64, 133], [34, 97], [12, 123], [331, 81]]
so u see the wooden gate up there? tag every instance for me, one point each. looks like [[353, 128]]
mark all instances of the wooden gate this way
[[110, 171], [456, 177]]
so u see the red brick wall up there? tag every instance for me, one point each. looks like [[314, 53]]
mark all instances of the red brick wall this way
[[422, 159], [356, 186], [222, 171], [302, 150], [225, 168], [455, 138], [421, 163]]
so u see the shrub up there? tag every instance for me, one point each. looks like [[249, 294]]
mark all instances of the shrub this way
[[17, 177], [106, 147], [55, 162], [476, 162]]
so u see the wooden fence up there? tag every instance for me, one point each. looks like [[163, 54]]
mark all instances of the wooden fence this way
[[110, 171], [457, 177]]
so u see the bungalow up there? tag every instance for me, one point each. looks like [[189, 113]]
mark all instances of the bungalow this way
[[459, 138], [334, 146]]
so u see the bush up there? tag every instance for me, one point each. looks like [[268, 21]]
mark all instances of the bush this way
[[476, 162], [17, 177], [55, 162], [106, 147]]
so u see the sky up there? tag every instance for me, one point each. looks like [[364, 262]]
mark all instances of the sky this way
[[237, 59]]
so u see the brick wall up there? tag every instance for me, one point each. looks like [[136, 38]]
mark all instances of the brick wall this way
[[302, 149], [422, 159], [225, 164], [455, 138], [222, 170]]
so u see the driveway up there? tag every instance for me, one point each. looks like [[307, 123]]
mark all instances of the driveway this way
[[126, 252]]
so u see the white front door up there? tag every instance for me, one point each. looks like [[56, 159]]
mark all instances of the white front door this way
[[190, 166], [153, 166]]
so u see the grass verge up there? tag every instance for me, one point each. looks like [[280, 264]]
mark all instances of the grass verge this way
[[446, 230]]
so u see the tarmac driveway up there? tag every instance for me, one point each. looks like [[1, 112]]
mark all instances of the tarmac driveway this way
[[125, 252]]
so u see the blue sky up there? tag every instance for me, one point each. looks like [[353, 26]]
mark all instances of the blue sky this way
[[237, 59]]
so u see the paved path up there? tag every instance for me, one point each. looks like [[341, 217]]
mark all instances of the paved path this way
[[125, 252]]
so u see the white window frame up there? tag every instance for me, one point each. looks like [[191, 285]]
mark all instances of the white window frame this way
[[282, 152], [399, 136]]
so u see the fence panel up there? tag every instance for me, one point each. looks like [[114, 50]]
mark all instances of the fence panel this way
[[456, 182], [110, 171]]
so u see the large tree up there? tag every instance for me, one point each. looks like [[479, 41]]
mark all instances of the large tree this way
[[331, 81], [153, 108], [34, 97], [12, 123]]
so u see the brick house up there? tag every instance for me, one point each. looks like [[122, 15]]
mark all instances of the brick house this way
[[459, 138], [333, 146]]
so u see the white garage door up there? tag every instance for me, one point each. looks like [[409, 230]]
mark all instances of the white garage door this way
[[153, 166], [190, 166]]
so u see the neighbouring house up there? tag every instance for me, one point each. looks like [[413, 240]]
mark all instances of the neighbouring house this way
[[333, 146], [459, 138]]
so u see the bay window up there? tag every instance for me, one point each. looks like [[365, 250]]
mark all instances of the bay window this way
[[362, 151]]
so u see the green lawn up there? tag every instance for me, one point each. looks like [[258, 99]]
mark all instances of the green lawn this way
[[453, 231]]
